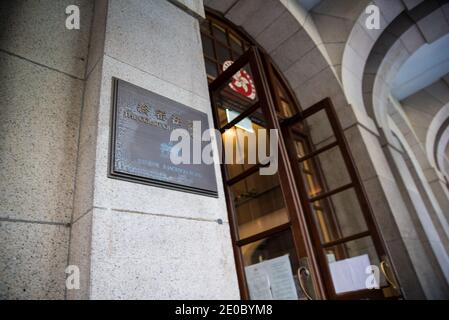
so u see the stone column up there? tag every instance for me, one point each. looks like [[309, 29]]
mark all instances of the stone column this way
[[41, 89], [133, 241]]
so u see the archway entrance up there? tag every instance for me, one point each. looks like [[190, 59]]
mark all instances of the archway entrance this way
[[307, 231]]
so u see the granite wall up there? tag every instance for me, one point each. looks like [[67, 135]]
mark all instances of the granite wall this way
[[130, 240], [42, 71], [57, 205]]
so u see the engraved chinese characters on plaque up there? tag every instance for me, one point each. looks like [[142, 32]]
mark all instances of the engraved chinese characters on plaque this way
[[142, 122]]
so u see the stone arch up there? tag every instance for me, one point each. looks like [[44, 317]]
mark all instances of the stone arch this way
[[371, 57], [381, 74], [440, 153], [371, 60]]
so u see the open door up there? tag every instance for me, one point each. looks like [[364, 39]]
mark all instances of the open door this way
[[299, 232], [273, 259], [350, 252]]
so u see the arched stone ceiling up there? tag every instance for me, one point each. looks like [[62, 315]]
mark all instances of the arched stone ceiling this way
[[428, 110], [382, 69], [378, 77], [405, 28], [426, 65], [379, 61]]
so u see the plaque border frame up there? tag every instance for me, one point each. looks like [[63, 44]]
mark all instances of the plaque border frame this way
[[114, 174]]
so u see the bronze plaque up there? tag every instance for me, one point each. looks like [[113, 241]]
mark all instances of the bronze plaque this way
[[142, 122]]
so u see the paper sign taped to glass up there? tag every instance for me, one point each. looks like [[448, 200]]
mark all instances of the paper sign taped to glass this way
[[271, 280]]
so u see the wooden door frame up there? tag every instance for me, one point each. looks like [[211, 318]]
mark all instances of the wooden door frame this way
[[265, 72], [297, 223], [372, 226]]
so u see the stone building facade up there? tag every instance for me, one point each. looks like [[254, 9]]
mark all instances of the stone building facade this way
[[58, 207]]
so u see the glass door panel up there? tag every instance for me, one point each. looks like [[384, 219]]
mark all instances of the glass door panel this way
[[342, 209], [259, 204], [270, 269], [347, 241], [272, 261], [236, 95], [244, 143], [332, 169]]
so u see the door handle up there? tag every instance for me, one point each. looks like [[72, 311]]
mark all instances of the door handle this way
[[303, 272], [384, 266]]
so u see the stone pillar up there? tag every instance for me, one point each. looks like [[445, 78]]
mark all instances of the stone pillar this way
[[41, 90], [419, 233], [133, 241]]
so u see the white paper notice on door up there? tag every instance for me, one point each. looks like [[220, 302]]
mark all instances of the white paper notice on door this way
[[271, 279], [258, 282], [350, 274]]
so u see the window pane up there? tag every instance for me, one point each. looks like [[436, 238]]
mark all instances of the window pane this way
[[285, 109], [208, 47], [223, 53], [242, 144], [339, 216], [236, 44], [320, 129], [328, 168], [211, 69], [308, 169], [219, 33], [237, 95], [270, 267], [259, 204]]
